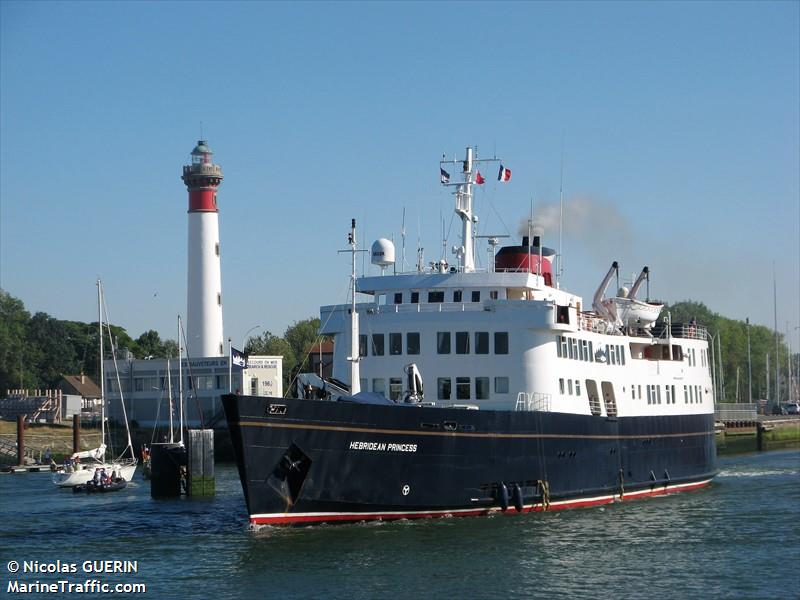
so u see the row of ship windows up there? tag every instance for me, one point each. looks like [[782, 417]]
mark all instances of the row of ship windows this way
[[569, 347], [444, 343], [692, 394], [444, 387], [577, 349], [438, 296]]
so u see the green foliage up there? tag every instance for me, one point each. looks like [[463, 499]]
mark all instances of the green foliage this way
[[13, 321], [301, 335], [733, 343], [149, 344], [37, 351]]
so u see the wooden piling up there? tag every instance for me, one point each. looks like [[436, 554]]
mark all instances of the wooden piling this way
[[76, 433], [201, 463], [20, 440]]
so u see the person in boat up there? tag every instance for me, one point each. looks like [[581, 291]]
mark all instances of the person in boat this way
[[98, 476]]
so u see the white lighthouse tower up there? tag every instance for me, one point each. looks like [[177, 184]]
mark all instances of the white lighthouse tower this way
[[204, 303]]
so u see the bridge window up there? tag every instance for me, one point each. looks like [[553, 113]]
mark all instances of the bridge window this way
[[395, 344], [476, 296], [481, 388], [398, 297], [435, 296], [412, 343], [379, 386], [362, 345], [443, 342], [501, 385], [501, 342], [377, 344], [481, 342], [463, 388], [414, 297], [462, 342], [443, 385], [457, 295]]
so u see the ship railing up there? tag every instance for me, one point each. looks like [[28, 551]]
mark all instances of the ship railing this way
[[736, 411], [681, 330], [214, 170], [534, 401], [592, 322]]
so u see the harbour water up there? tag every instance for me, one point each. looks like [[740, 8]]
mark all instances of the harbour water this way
[[740, 538]]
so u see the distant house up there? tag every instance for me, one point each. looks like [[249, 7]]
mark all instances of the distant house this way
[[322, 354], [83, 386]]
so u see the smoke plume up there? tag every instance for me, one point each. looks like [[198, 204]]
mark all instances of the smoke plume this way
[[590, 223]]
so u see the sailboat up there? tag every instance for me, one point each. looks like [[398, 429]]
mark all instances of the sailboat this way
[[170, 454], [82, 466]]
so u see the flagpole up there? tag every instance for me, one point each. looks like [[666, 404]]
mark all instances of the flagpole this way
[[230, 366]]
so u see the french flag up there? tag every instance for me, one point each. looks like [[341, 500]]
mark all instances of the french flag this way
[[504, 175]]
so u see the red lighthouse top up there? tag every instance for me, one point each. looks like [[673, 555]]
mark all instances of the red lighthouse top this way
[[202, 178]]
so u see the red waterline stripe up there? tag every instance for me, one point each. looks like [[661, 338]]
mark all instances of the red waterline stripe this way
[[289, 518]]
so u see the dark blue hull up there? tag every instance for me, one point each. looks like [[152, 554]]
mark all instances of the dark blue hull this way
[[306, 461]]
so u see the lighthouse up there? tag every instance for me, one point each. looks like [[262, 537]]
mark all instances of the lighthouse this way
[[204, 301]]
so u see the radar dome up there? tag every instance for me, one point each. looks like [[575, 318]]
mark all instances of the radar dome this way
[[383, 253]]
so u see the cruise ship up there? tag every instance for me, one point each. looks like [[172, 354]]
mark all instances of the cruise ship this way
[[459, 391]]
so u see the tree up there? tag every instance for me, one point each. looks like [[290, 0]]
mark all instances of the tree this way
[[149, 345], [170, 349], [301, 335], [13, 324], [51, 350]]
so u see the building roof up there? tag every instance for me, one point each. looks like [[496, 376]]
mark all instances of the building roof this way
[[81, 384], [202, 148], [327, 347]]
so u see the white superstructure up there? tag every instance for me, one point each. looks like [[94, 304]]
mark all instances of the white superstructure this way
[[507, 339]]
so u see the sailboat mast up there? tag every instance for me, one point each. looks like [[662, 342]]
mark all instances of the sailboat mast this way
[[180, 378], [777, 345], [169, 395], [102, 369]]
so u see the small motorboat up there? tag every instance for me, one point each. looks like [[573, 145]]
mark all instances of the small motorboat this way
[[91, 487]]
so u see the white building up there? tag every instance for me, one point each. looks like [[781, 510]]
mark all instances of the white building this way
[[145, 385]]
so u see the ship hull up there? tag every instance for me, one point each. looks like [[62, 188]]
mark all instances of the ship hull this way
[[309, 461]]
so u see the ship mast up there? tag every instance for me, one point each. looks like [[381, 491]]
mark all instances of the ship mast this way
[[463, 194], [354, 358]]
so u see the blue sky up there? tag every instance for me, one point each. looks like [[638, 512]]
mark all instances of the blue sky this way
[[680, 125]]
